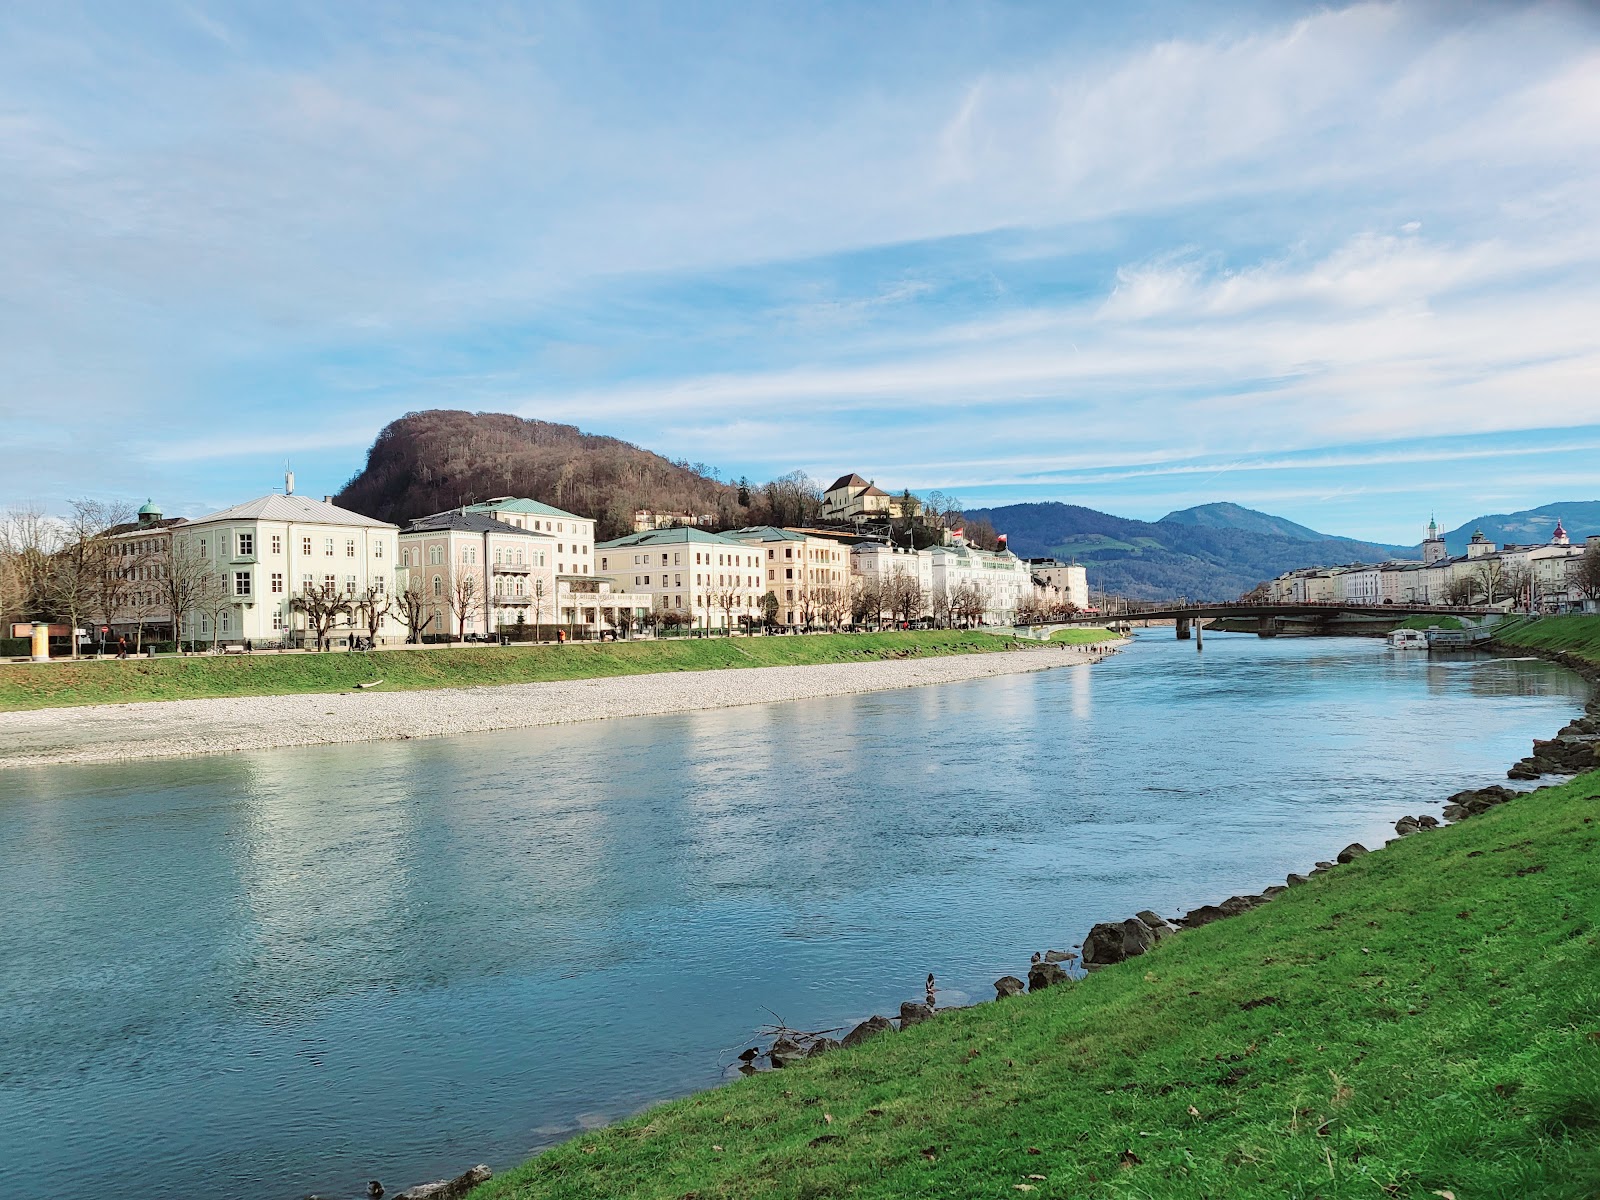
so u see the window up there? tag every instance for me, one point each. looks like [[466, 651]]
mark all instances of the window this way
[[247, 545], [377, 549], [405, 558], [277, 543], [307, 582], [497, 558], [330, 584], [676, 559], [241, 583], [226, 623], [349, 547], [203, 553], [277, 583], [305, 545], [788, 552], [277, 619], [604, 563], [438, 586], [349, 585], [769, 552], [435, 555], [558, 527], [327, 547], [377, 586]]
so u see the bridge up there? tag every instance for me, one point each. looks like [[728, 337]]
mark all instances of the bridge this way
[[1268, 617]]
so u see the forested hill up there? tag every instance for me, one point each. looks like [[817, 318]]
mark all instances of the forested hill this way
[[430, 461], [1164, 559]]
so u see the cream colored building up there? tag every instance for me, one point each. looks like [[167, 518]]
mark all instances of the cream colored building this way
[[477, 575], [851, 496], [689, 571], [809, 575], [1059, 582]]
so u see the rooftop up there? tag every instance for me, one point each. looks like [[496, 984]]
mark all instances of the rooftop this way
[[302, 510], [663, 537], [464, 522], [522, 505]]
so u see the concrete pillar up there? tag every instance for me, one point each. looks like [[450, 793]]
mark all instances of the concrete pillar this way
[[1266, 627], [1199, 633], [1182, 627], [41, 642]]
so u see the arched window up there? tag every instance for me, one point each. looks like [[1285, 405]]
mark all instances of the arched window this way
[[435, 555], [438, 586]]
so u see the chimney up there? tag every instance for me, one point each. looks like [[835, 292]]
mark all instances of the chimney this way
[[288, 483], [327, 499]]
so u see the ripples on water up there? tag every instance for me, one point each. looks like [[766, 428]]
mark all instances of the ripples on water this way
[[294, 970]]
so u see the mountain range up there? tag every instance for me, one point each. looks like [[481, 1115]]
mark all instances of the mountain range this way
[[429, 461]]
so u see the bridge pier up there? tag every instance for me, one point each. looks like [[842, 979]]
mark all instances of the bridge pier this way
[[1181, 625], [1199, 634], [1266, 627]]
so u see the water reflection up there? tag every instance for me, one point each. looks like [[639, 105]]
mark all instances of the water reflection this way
[[289, 971]]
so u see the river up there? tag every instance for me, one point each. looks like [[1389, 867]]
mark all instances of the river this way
[[290, 971]]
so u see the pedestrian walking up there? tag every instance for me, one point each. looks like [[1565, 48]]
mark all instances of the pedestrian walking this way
[[122, 647]]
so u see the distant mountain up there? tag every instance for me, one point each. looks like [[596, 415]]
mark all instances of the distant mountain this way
[[1580, 518], [1235, 516], [430, 461], [1159, 560]]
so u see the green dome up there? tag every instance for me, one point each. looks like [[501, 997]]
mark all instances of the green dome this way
[[149, 509]]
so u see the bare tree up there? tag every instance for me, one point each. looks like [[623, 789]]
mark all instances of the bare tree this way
[[28, 543], [83, 577], [831, 606], [371, 607], [906, 596], [1489, 578], [322, 607], [217, 603], [186, 581], [1517, 583], [538, 604], [940, 603], [412, 607], [727, 599], [968, 603], [1459, 590], [868, 601], [1586, 577], [461, 594]]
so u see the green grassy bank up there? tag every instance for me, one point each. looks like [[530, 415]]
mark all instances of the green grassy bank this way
[[1578, 636], [1082, 636], [1424, 1022], [1425, 622], [27, 686]]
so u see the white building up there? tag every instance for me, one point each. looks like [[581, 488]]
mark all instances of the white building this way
[[876, 564], [262, 553], [1001, 578], [1065, 583]]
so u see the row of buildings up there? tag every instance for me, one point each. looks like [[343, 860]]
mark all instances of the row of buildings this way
[[1543, 577], [484, 568]]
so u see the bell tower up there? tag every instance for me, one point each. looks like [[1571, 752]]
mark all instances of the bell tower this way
[[1433, 545]]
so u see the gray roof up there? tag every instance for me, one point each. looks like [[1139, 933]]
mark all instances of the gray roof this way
[[661, 537], [302, 510], [466, 522]]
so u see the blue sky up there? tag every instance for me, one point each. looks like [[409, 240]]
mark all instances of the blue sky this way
[[1335, 262]]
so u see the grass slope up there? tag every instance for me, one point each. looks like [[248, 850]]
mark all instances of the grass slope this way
[[1579, 635], [28, 686], [1082, 636], [1424, 1022], [1429, 622]]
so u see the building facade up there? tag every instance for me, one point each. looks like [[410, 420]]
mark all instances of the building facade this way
[[808, 575], [715, 581]]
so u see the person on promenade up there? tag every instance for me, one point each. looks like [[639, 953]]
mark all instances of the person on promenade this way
[[122, 647]]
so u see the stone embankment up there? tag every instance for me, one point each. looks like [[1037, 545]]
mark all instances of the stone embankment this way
[[171, 728], [1574, 749]]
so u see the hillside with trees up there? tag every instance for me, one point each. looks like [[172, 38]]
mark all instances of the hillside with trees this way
[[426, 462]]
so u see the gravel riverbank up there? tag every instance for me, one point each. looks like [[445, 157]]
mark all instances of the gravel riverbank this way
[[114, 733]]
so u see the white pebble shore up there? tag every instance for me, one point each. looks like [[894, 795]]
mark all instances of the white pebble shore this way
[[172, 728]]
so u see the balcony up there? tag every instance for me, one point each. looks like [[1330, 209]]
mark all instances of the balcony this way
[[511, 568]]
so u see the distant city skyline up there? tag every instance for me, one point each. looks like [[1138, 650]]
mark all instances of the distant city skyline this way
[[1334, 263]]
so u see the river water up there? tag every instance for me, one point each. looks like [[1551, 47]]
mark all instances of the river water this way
[[291, 971]]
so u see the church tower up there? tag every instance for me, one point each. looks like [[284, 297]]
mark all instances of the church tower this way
[[1433, 545], [1559, 537]]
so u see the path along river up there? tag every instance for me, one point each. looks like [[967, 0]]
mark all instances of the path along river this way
[[290, 971]]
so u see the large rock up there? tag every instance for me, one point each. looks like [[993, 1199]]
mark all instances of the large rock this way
[[1059, 956], [871, 1027], [1007, 985], [1427, 822], [1204, 915], [1455, 812], [822, 1045], [1235, 906], [1406, 826], [1042, 975], [914, 1012], [1113, 941], [1153, 919], [1294, 880], [786, 1052], [448, 1189], [1350, 853]]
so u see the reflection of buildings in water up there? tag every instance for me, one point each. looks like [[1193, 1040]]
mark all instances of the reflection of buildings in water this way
[[1080, 691], [321, 868]]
